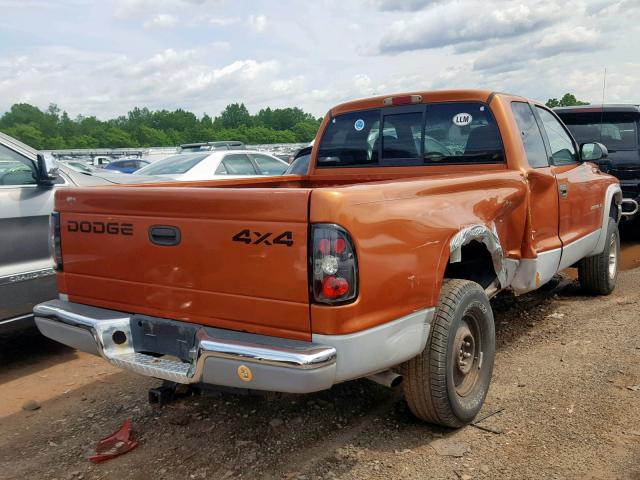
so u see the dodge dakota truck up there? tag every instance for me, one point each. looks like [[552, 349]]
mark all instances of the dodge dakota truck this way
[[379, 262]]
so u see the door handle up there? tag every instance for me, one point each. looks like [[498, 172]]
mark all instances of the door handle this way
[[564, 190], [164, 235]]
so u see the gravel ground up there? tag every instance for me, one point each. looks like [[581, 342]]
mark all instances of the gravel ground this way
[[564, 403]]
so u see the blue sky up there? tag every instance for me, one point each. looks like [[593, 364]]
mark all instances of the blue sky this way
[[104, 57]]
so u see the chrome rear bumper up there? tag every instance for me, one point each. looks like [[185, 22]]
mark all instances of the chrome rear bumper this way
[[230, 358], [219, 357]]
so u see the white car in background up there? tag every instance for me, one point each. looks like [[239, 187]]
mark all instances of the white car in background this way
[[212, 165]]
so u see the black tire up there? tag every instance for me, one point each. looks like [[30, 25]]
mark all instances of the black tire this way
[[435, 386], [598, 274]]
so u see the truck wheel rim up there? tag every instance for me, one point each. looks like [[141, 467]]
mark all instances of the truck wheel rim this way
[[466, 355], [613, 257]]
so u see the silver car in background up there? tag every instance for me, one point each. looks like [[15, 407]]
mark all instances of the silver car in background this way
[[27, 187], [214, 165]]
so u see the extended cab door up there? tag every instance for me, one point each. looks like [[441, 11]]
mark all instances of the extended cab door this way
[[544, 188], [580, 198]]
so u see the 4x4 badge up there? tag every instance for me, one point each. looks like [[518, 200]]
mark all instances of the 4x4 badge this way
[[256, 238]]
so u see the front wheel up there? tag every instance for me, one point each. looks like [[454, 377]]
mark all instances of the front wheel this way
[[447, 383], [598, 274]]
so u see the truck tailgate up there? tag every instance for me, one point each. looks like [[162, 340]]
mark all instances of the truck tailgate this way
[[240, 261]]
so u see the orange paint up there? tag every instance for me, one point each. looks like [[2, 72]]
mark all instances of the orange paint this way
[[401, 220]]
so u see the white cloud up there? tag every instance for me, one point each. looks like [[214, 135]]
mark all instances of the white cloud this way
[[401, 5], [362, 84], [162, 20], [112, 84], [570, 39], [136, 8], [466, 21], [562, 39], [288, 86], [222, 21], [257, 22]]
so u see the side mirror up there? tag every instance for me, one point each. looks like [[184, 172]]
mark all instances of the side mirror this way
[[592, 152], [596, 152], [47, 171]]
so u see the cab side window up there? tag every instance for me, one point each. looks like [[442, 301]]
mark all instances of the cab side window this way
[[563, 151], [531, 136], [15, 170]]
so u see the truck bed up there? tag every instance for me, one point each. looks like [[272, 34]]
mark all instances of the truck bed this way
[[223, 273]]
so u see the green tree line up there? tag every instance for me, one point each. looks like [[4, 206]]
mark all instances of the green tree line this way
[[567, 100], [53, 129]]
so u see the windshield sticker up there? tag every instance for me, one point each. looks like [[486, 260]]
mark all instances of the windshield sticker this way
[[359, 125], [462, 119]]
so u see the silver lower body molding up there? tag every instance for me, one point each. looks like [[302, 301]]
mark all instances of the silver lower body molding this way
[[238, 359]]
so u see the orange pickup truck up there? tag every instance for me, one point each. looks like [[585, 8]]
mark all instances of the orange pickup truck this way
[[379, 263]]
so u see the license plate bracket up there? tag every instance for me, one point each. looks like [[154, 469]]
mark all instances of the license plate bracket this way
[[159, 336]]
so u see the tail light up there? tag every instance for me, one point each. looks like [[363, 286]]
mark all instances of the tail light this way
[[334, 266], [54, 241]]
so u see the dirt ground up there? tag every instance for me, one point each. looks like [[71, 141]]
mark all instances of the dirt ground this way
[[564, 403]]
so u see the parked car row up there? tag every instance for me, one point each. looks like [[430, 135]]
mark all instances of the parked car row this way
[[210, 165], [126, 165]]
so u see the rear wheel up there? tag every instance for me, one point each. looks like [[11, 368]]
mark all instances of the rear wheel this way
[[598, 274], [447, 383]]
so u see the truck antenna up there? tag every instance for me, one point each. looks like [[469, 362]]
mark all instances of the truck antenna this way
[[604, 85]]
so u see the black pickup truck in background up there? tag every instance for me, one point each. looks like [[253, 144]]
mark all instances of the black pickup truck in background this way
[[618, 128]]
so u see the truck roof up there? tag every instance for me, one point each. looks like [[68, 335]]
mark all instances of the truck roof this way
[[426, 97], [607, 107]]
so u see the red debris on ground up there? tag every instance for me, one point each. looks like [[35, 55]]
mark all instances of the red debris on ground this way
[[115, 444]]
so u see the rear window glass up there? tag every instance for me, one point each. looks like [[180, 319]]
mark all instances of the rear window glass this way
[[174, 165], [617, 130], [443, 133], [401, 136]]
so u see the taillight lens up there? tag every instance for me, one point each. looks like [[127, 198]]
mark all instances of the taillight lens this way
[[334, 276], [54, 241]]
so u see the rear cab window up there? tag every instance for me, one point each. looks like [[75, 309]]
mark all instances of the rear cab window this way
[[431, 134]]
